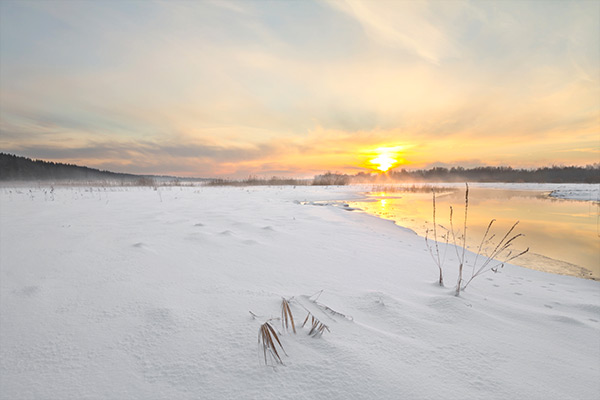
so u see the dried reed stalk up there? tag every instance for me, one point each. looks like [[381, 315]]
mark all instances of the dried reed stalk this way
[[287, 318], [317, 327], [503, 247], [435, 250], [266, 334]]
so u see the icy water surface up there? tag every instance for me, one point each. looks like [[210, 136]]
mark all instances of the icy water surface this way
[[563, 235]]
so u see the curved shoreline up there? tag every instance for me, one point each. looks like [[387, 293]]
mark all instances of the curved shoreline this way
[[531, 260]]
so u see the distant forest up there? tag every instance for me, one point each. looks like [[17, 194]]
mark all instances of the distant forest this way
[[14, 168], [554, 174], [17, 168]]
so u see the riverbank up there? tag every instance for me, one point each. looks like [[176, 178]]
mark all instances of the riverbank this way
[[561, 234]]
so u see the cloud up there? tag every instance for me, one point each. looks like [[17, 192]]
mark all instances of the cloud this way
[[409, 25], [125, 150]]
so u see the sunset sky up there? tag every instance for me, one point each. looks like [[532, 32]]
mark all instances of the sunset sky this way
[[296, 88]]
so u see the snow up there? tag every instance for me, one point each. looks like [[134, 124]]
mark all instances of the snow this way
[[136, 293], [567, 191], [581, 192]]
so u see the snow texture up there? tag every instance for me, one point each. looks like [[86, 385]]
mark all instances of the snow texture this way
[[142, 293]]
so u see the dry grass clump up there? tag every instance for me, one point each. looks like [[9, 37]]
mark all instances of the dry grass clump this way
[[317, 327], [413, 189], [266, 334], [255, 181], [269, 339]]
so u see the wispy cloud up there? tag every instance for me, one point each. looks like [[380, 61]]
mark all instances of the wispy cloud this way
[[411, 25]]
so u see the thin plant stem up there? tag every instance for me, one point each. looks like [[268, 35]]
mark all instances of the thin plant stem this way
[[437, 250], [464, 244], [481, 244]]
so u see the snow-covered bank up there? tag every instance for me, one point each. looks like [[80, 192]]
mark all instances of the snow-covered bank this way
[[135, 293], [578, 192], [568, 191]]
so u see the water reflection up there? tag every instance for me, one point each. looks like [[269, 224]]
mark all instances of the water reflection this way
[[563, 235]]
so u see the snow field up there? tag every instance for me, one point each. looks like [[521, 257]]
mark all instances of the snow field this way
[[135, 293]]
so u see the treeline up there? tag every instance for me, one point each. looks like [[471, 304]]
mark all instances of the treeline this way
[[572, 174], [554, 174], [17, 168]]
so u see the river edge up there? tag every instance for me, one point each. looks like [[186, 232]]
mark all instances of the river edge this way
[[531, 260]]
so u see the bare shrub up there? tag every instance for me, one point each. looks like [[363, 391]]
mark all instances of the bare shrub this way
[[331, 179], [144, 181], [255, 181], [412, 189]]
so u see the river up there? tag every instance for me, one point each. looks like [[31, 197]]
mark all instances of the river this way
[[563, 236]]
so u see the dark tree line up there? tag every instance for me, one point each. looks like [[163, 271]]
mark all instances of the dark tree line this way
[[554, 174], [14, 167]]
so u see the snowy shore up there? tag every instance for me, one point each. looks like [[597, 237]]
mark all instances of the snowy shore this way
[[136, 293]]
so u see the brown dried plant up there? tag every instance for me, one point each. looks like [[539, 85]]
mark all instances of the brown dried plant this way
[[266, 334], [434, 249], [502, 249], [287, 318], [317, 327], [461, 256]]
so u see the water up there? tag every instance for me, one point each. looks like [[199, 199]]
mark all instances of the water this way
[[563, 236]]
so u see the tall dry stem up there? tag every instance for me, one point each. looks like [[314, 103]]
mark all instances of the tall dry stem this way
[[464, 244], [435, 250]]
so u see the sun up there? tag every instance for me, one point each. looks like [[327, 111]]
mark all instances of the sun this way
[[384, 162], [386, 158]]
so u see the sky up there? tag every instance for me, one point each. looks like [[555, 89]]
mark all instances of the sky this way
[[297, 88]]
